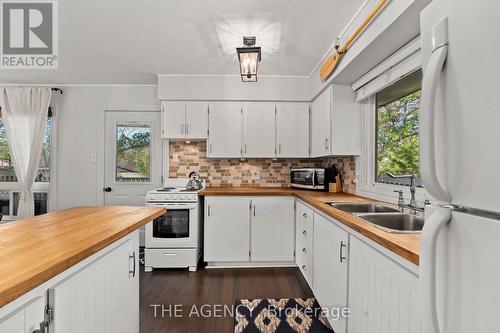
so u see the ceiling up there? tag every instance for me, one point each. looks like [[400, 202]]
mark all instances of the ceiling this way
[[131, 41]]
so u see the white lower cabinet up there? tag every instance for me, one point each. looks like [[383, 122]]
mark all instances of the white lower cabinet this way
[[272, 229], [330, 268], [227, 229], [249, 229], [383, 296], [102, 297], [304, 240], [99, 294], [27, 319]]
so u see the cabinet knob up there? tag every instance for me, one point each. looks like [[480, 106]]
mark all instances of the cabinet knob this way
[[304, 268], [304, 215], [304, 233], [304, 250], [107, 189]]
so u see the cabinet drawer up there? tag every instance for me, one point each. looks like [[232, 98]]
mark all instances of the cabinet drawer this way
[[170, 257], [304, 215]]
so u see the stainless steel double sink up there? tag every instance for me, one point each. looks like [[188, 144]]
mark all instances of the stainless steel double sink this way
[[383, 217]]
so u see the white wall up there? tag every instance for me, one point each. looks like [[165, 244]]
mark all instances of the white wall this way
[[80, 112], [267, 88]]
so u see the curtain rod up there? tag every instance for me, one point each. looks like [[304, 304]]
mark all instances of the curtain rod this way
[[57, 90]]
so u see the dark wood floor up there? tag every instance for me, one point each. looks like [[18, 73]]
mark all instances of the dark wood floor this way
[[210, 286]]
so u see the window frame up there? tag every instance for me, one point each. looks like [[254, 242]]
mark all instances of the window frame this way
[[38, 187], [365, 164]]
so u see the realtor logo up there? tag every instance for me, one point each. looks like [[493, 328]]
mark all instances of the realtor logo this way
[[29, 35]]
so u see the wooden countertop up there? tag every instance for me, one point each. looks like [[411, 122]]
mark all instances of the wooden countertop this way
[[34, 250], [405, 245]]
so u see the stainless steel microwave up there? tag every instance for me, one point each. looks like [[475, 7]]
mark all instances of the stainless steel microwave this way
[[308, 178]]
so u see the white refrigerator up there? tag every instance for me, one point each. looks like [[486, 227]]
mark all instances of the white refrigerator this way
[[460, 166]]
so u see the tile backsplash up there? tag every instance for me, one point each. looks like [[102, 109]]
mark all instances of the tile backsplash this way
[[234, 172]]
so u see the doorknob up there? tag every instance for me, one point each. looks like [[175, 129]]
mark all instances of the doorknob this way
[[107, 189]]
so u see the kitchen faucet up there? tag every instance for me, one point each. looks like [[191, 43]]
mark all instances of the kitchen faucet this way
[[412, 205]]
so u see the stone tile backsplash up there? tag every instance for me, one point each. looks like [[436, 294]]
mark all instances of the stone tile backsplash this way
[[234, 172]]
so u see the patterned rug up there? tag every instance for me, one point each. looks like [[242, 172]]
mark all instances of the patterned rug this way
[[287, 315]]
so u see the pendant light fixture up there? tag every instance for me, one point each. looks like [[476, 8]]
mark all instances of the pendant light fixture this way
[[249, 57]]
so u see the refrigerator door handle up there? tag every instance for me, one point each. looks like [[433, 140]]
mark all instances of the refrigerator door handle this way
[[430, 82], [428, 246]]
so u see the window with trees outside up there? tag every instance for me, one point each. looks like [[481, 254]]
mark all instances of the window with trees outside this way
[[9, 193], [397, 126]]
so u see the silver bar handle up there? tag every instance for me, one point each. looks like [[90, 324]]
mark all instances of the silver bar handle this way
[[342, 257], [182, 128], [253, 210], [209, 212], [132, 272]]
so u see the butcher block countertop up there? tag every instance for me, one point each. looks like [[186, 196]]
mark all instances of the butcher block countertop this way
[[34, 250], [405, 245]]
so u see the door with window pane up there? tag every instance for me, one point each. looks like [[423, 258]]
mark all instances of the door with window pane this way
[[133, 156]]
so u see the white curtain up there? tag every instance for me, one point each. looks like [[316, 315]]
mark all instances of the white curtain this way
[[24, 112]]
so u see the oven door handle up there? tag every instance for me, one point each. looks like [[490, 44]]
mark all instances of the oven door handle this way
[[175, 206]]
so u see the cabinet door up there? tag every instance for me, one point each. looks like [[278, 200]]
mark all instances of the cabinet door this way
[[14, 323], [345, 122], [103, 297], [292, 130], [173, 120], [259, 130], [321, 124], [383, 296], [273, 229], [330, 267], [196, 120], [227, 229], [225, 132]]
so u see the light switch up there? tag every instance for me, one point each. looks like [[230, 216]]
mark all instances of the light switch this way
[[175, 157], [256, 175]]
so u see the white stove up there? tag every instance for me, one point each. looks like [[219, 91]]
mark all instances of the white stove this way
[[173, 240]]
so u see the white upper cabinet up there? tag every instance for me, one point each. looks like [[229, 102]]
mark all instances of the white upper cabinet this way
[[345, 122], [225, 130], [173, 120], [321, 112], [184, 120], [335, 123], [292, 130], [196, 120], [259, 130]]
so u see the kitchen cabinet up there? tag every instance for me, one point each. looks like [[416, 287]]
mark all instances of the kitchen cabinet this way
[[98, 294], [383, 296], [304, 240], [225, 132], [335, 125], [102, 297], [272, 229], [345, 122], [255, 229], [321, 112], [227, 229], [330, 264], [292, 130], [184, 120], [259, 125], [27, 319]]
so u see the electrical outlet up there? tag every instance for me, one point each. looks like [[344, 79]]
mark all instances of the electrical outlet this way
[[256, 175]]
